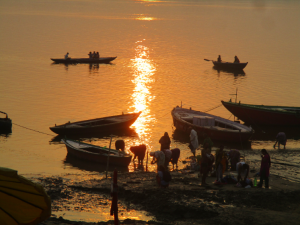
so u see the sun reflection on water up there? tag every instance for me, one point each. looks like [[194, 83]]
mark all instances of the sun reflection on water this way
[[144, 17], [143, 71]]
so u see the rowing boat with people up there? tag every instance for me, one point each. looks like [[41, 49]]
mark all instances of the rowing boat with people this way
[[84, 60]]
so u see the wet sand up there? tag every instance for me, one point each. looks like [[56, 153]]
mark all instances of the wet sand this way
[[184, 202]]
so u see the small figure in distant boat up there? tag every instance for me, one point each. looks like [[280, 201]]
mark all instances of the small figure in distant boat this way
[[236, 59], [90, 55], [94, 54], [219, 58], [264, 168], [97, 55], [280, 139], [193, 141], [67, 55], [165, 142]]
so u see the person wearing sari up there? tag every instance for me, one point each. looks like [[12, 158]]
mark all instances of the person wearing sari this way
[[264, 168]]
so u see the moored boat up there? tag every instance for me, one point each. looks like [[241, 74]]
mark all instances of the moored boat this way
[[84, 60], [205, 124], [98, 125], [5, 123], [96, 153], [264, 114]]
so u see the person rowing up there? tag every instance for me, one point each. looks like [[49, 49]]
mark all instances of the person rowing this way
[[236, 59]]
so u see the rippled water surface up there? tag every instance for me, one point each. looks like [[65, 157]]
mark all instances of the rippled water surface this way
[[160, 48]]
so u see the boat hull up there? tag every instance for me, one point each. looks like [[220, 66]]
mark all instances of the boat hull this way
[[95, 126], [255, 114], [95, 157], [5, 125], [84, 60], [229, 65], [213, 133]]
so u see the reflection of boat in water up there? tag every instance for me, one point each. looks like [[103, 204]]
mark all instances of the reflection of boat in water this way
[[215, 127], [231, 72], [119, 134], [96, 153], [103, 124], [84, 60], [91, 166], [5, 124], [264, 114]]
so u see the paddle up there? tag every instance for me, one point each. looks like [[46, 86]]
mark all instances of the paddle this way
[[208, 60]]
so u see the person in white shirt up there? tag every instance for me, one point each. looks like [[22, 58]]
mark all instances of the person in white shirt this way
[[243, 171], [194, 141], [67, 55]]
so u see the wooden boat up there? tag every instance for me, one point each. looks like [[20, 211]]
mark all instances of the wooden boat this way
[[264, 114], [215, 127], [5, 123], [96, 153], [84, 60], [229, 65], [96, 125]]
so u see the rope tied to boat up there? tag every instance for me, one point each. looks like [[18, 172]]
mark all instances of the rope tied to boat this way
[[33, 129], [213, 108]]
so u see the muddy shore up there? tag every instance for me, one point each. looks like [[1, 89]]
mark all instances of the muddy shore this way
[[184, 202]]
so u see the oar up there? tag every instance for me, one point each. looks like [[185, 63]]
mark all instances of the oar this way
[[208, 60]]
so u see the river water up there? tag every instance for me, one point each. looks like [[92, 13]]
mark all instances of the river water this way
[[160, 48]]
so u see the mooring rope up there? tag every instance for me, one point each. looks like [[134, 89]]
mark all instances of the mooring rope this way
[[32, 129], [213, 108]]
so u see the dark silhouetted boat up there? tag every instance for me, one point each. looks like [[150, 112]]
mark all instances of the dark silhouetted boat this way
[[205, 124], [229, 65], [264, 114], [84, 60], [5, 123], [98, 125], [94, 153]]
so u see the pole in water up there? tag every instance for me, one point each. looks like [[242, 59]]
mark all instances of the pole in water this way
[[114, 194], [147, 163], [108, 155]]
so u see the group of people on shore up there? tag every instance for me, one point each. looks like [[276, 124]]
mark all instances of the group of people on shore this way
[[163, 157], [236, 59], [218, 163]]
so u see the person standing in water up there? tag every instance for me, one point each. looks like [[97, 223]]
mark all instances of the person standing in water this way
[[165, 142]]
